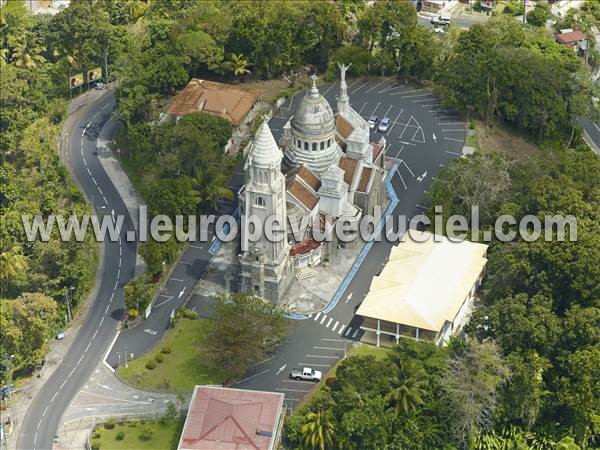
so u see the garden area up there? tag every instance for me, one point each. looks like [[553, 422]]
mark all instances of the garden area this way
[[136, 434], [178, 364]]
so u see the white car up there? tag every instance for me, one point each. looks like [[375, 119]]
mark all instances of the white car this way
[[60, 335], [306, 373], [440, 20], [372, 121], [384, 124]]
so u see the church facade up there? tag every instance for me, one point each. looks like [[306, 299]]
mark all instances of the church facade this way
[[324, 169]]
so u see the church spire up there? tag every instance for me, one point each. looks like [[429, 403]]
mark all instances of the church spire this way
[[343, 102], [314, 91]]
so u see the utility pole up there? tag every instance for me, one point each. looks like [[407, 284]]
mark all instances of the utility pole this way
[[71, 288], [524, 11], [106, 64]]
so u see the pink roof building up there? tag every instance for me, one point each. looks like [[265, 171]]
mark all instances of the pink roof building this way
[[222, 418]]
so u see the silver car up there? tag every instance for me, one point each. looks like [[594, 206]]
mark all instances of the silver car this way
[[384, 124]]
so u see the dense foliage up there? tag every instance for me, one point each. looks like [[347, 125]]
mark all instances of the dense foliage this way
[[541, 300], [35, 276], [245, 328]]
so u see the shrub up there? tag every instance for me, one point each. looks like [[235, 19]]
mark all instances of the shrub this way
[[145, 434], [189, 314], [120, 436], [133, 313], [166, 350], [150, 365], [159, 358], [133, 423], [110, 424], [95, 444], [96, 435]]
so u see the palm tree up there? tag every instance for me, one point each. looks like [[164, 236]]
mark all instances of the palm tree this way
[[27, 53], [12, 262], [136, 9], [239, 64], [409, 392], [319, 429], [209, 187]]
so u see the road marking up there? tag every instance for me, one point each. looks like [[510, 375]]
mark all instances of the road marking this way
[[333, 340], [453, 153], [416, 95], [402, 179], [328, 348], [360, 87], [371, 88], [104, 386], [88, 170], [396, 120], [406, 165], [181, 292], [253, 376], [317, 316], [355, 333], [408, 92], [363, 107], [95, 333], [289, 390], [420, 178], [176, 279], [323, 319], [261, 362], [310, 316], [281, 369], [329, 323], [452, 139], [329, 88], [348, 331], [450, 123], [335, 325], [185, 263], [298, 381], [313, 365], [408, 143], [349, 297], [108, 351], [45, 411], [422, 100], [54, 397], [198, 246], [421, 206], [341, 329], [319, 356], [373, 113], [462, 130]]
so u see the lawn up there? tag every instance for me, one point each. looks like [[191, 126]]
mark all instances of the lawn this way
[[361, 350], [183, 368], [150, 435]]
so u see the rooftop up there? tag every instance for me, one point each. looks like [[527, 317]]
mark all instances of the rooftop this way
[[224, 100], [570, 37], [424, 284], [231, 419]]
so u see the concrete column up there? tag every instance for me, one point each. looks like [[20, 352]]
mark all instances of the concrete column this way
[[378, 331], [397, 332], [417, 334]]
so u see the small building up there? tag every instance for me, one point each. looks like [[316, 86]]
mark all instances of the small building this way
[[425, 291], [434, 6], [224, 100], [571, 39], [222, 418]]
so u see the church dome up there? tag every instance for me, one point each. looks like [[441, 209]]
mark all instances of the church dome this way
[[265, 151], [314, 116]]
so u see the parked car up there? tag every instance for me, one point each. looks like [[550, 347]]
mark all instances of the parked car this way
[[440, 20], [7, 390], [384, 125], [306, 374], [372, 121], [60, 335], [100, 86]]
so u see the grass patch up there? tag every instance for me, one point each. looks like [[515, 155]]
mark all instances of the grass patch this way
[[150, 435], [361, 350], [183, 368]]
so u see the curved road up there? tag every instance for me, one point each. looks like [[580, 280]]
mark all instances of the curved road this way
[[98, 330]]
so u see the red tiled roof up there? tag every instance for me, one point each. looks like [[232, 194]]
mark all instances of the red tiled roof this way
[[307, 176], [304, 247], [377, 147], [224, 100], [364, 179], [231, 419], [303, 194], [349, 167], [343, 126], [570, 37]]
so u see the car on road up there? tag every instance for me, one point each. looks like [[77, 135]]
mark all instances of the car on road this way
[[306, 373], [384, 124], [440, 20], [373, 121], [100, 86]]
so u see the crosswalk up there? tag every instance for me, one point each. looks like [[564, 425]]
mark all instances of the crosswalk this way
[[335, 325]]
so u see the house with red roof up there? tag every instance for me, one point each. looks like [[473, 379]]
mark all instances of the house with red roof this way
[[221, 418]]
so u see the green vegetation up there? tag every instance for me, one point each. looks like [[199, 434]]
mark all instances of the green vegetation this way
[[185, 366], [143, 435], [35, 276], [540, 299], [245, 328]]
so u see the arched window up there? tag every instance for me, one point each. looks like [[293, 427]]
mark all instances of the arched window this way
[[314, 146], [322, 145], [299, 144], [328, 142], [306, 146], [259, 201]]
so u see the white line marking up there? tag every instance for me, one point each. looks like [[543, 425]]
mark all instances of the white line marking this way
[[88, 170], [313, 365], [355, 333], [253, 376], [323, 319], [289, 390], [320, 356], [317, 316], [108, 351], [452, 139], [335, 325], [341, 329], [360, 87], [363, 107], [450, 123], [329, 323], [328, 348], [373, 113], [395, 120], [406, 165], [457, 130], [453, 153], [329, 88], [371, 88], [176, 279]]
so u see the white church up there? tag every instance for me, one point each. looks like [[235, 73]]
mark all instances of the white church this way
[[326, 168]]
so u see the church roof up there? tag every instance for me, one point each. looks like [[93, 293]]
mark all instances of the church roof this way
[[344, 128], [307, 176], [349, 167], [265, 151], [302, 193], [365, 176], [314, 115]]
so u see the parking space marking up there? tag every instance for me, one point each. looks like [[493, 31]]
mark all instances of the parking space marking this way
[[389, 88], [408, 92], [450, 123], [422, 100], [452, 139], [373, 113], [388, 110], [328, 348], [298, 381], [373, 87], [363, 107], [406, 165], [417, 95], [458, 129], [329, 88], [359, 88], [453, 153], [395, 120], [313, 365], [289, 390], [322, 356]]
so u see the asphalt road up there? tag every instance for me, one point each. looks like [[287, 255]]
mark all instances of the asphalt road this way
[[97, 331], [593, 131], [321, 340]]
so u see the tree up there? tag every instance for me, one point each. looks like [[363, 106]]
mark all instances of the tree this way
[[244, 330], [209, 187], [138, 293], [319, 429], [471, 385], [28, 53], [408, 394], [539, 15], [199, 50], [238, 65], [13, 262]]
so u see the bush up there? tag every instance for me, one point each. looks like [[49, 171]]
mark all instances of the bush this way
[[95, 444], [159, 358], [120, 436], [96, 435], [132, 313], [189, 314], [166, 350], [145, 434], [150, 365], [110, 424]]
